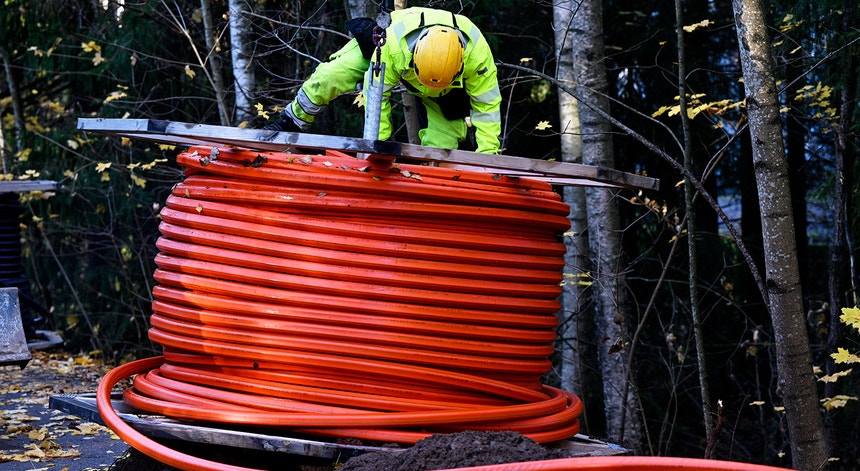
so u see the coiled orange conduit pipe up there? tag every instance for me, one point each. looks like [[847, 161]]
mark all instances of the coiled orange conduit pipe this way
[[329, 296]]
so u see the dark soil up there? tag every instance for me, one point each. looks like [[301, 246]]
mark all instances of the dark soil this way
[[457, 450]]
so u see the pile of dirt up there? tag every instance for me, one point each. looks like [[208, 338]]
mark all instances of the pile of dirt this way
[[456, 450]]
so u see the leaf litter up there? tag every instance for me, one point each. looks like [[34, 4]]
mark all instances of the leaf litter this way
[[32, 433]]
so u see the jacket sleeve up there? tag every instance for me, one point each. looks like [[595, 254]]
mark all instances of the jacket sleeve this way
[[482, 85]]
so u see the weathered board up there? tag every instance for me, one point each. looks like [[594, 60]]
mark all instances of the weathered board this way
[[21, 186], [178, 133], [160, 427]]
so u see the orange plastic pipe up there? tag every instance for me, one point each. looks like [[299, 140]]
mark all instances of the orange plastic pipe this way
[[416, 373], [347, 304], [355, 291], [337, 161], [381, 303], [637, 463], [136, 439], [361, 276], [224, 303], [316, 330], [292, 251], [244, 222], [442, 358], [338, 381], [441, 228], [358, 182]]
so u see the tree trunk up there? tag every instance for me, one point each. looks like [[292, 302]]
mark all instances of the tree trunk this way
[[410, 101], [15, 96], [575, 292], [793, 359], [244, 81], [623, 420], [360, 8], [692, 235], [214, 58], [840, 253], [795, 151]]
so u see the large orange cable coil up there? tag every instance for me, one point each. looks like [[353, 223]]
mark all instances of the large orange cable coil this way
[[328, 296]]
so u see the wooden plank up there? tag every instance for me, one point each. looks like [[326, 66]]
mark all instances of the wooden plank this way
[[153, 426], [21, 186], [262, 140], [156, 426]]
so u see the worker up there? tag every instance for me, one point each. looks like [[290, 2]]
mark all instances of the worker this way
[[438, 56]]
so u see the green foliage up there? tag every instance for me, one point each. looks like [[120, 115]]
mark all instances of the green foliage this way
[[89, 245]]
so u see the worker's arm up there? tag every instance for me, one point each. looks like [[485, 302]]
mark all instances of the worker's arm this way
[[482, 86]]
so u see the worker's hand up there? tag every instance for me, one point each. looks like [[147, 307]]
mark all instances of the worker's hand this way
[[283, 124], [362, 31]]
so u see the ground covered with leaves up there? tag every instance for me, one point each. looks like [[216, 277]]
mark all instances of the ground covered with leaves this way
[[33, 436]]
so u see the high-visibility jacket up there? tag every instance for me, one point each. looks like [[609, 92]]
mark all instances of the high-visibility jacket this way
[[479, 81]]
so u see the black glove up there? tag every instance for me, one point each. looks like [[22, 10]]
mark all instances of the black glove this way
[[283, 124], [362, 31]]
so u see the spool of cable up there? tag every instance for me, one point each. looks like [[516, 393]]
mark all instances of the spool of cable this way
[[325, 295]]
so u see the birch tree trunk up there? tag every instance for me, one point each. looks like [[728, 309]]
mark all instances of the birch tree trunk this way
[[360, 8], [214, 58], [15, 97], [793, 359], [623, 419], [244, 81], [576, 240]]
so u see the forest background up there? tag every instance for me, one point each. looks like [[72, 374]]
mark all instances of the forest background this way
[[685, 308]]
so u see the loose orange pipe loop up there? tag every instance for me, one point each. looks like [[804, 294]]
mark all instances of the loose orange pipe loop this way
[[622, 463], [326, 296], [136, 439], [194, 403]]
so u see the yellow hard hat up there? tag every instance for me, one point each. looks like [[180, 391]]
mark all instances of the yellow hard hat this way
[[438, 56]]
